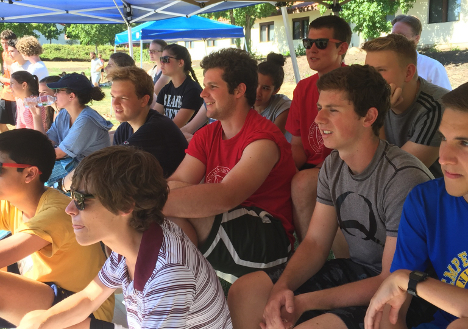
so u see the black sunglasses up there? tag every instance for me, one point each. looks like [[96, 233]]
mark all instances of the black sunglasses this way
[[16, 165], [319, 43], [166, 59], [80, 198]]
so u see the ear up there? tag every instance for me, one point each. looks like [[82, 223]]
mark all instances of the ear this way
[[410, 72], [181, 63], [416, 39], [370, 117], [24, 85], [239, 91], [144, 100], [30, 174], [343, 48]]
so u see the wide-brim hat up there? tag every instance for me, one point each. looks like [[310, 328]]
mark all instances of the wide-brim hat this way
[[73, 81]]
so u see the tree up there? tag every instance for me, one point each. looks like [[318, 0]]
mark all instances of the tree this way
[[49, 31], [244, 16], [370, 16], [94, 34], [20, 29]]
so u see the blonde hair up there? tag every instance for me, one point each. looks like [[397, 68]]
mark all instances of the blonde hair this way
[[399, 44]]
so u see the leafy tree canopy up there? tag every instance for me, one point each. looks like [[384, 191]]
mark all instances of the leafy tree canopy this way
[[94, 34], [370, 16]]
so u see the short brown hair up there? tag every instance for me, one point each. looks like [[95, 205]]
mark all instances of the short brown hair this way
[[138, 77], [399, 44], [7, 35], [122, 178], [122, 59], [456, 99], [412, 21], [341, 29], [365, 88], [29, 46]]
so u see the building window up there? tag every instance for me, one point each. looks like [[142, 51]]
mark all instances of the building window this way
[[211, 43], [267, 31], [441, 11], [189, 44], [300, 28]]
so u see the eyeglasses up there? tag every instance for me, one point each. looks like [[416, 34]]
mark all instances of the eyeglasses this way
[[151, 51], [60, 90], [16, 165], [166, 59], [319, 43], [80, 198]]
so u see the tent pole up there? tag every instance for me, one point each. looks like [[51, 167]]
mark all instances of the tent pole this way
[[292, 51], [141, 52], [130, 41]]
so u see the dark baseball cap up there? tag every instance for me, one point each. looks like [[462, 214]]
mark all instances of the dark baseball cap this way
[[73, 81]]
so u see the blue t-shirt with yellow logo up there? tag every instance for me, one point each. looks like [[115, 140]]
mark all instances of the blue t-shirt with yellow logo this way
[[433, 229]]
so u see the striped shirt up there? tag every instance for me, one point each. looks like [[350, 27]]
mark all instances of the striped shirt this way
[[420, 121], [176, 289]]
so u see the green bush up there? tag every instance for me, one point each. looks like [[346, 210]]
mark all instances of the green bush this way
[[80, 53]]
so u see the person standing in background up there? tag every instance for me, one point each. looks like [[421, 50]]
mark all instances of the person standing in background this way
[[30, 48], [7, 101]]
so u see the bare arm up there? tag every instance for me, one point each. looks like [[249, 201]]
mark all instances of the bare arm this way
[[392, 293], [280, 120], [4, 80], [159, 107], [182, 117], [18, 246], [427, 154], [197, 121], [37, 118], [70, 311], [298, 152], [162, 81], [241, 182]]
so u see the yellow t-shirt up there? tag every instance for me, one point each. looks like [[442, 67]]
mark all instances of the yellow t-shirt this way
[[63, 262]]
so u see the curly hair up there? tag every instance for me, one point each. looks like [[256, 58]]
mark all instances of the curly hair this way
[[273, 67], [29, 46], [123, 178], [365, 88], [399, 44], [138, 77], [238, 66]]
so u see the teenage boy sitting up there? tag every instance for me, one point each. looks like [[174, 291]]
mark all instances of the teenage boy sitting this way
[[132, 94], [433, 231], [416, 108], [54, 265], [118, 194], [326, 46], [361, 189]]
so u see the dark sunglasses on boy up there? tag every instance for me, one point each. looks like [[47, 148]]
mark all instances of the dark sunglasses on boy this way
[[16, 165], [166, 59], [319, 43], [80, 198]]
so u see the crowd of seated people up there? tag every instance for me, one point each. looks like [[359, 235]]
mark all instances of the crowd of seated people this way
[[369, 161]]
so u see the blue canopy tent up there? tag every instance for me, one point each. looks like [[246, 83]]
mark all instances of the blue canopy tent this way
[[181, 28], [124, 11]]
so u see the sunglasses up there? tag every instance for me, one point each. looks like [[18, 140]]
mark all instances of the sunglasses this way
[[319, 43], [166, 59], [80, 198], [16, 165]]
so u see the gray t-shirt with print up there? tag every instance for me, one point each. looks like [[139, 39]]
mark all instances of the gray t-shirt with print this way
[[369, 204], [420, 122]]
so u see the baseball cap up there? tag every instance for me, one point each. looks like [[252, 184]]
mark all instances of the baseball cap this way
[[73, 81]]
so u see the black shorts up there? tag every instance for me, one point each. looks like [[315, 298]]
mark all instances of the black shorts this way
[[7, 112], [245, 240], [334, 273]]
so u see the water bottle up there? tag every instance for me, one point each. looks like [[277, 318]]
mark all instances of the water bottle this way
[[46, 100]]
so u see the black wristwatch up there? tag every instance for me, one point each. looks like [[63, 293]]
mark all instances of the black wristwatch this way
[[414, 278]]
